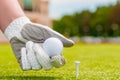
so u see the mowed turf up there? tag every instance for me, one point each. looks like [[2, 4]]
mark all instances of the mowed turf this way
[[97, 62]]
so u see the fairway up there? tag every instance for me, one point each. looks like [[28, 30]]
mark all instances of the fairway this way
[[97, 62]]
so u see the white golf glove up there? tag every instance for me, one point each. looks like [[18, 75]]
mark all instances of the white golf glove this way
[[34, 57], [20, 31]]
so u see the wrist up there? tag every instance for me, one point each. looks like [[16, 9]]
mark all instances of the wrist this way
[[15, 27]]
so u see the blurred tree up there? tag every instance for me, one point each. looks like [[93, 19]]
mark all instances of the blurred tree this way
[[105, 21], [114, 20], [100, 20], [82, 20], [66, 26]]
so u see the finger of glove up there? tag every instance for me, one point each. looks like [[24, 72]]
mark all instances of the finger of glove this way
[[31, 56], [57, 61], [42, 57], [25, 64], [16, 47], [39, 33]]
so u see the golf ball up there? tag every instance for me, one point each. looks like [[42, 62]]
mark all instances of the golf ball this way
[[53, 46]]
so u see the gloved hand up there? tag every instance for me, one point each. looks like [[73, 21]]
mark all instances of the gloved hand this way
[[34, 57], [21, 30]]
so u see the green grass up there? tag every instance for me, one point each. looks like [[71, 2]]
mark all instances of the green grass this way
[[98, 62]]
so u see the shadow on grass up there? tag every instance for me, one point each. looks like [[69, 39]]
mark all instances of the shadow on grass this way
[[29, 77]]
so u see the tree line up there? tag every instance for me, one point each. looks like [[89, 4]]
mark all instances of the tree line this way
[[105, 21]]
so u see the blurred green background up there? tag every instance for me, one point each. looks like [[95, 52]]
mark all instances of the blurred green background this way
[[105, 21]]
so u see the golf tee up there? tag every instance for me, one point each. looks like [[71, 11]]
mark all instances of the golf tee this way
[[77, 68]]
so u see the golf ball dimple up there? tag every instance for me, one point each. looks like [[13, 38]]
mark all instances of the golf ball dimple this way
[[53, 46]]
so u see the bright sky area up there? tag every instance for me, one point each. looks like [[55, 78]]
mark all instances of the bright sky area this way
[[58, 8]]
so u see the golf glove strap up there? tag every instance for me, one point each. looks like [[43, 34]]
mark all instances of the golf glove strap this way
[[22, 30]]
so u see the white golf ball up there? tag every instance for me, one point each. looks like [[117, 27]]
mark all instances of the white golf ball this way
[[53, 46]]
